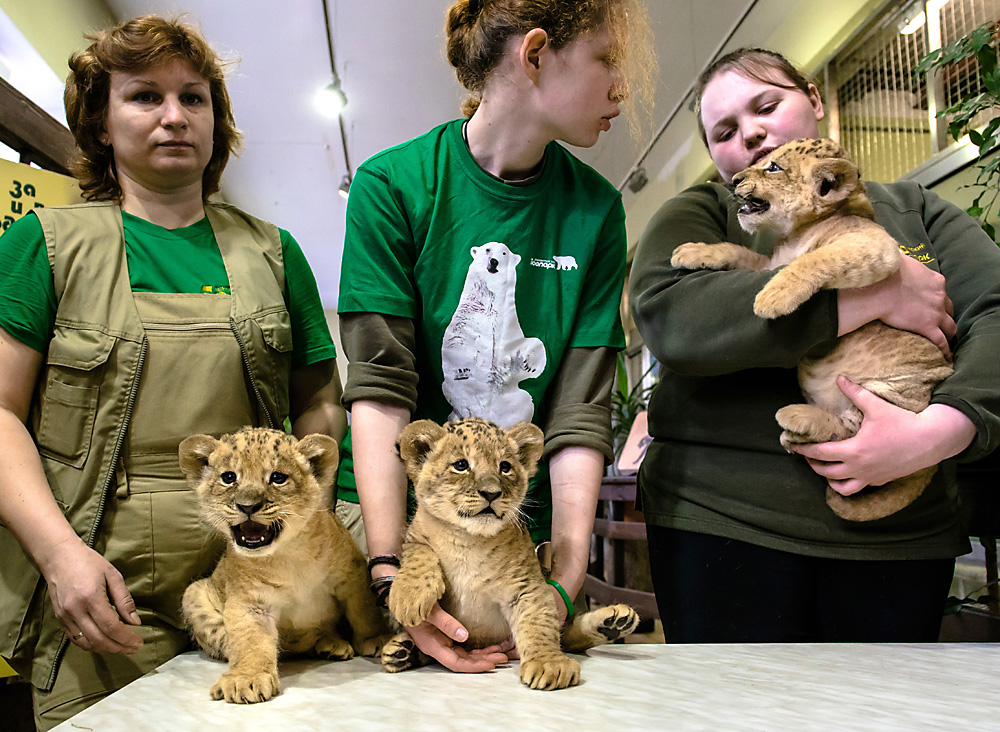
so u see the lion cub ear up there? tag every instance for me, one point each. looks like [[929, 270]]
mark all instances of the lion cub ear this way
[[529, 440], [323, 456], [835, 179], [193, 454], [416, 442]]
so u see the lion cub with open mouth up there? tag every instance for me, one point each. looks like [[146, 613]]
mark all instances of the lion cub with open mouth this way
[[468, 549], [810, 196], [290, 573]]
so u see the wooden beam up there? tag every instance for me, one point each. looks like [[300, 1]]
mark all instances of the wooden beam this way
[[31, 131]]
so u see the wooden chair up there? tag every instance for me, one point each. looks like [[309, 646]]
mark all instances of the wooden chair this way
[[605, 580]]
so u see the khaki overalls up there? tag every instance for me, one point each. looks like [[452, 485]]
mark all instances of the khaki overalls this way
[[127, 377]]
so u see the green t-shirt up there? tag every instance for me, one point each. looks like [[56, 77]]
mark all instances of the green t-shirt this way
[[184, 260], [499, 279]]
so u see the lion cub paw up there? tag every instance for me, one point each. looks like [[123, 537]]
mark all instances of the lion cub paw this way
[[698, 255], [782, 295], [556, 672], [409, 606], [334, 649], [805, 423], [616, 621], [243, 688], [372, 647], [400, 654]]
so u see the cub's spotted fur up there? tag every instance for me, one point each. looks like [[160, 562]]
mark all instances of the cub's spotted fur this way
[[810, 195], [290, 573], [467, 549]]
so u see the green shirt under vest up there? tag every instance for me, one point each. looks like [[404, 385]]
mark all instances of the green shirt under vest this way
[[183, 260]]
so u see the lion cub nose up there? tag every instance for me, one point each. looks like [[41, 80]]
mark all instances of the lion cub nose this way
[[737, 179], [490, 496], [250, 508]]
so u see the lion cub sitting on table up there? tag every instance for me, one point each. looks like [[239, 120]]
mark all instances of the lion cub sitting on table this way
[[467, 549], [290, 571], [809, 194]]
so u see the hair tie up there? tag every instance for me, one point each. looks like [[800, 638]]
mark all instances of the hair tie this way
[[475, 6]]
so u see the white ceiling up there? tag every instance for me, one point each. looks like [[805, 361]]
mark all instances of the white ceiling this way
[[390, 57]]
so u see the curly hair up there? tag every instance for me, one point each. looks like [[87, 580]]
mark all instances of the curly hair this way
[[478, 30], [140, 43], [757, 64]]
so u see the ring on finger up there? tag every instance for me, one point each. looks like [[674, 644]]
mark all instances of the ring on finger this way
[[78, 636]]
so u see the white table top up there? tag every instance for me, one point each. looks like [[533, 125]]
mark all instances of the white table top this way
[[763, 688]]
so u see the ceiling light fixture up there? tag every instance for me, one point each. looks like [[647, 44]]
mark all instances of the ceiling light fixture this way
[[912, 25], [331, 100], [915, 17]]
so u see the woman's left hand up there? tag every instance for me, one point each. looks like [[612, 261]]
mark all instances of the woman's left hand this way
[[892, 442]]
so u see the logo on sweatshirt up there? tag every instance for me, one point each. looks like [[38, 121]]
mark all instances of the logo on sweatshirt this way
[[556, 263], [919, 252]]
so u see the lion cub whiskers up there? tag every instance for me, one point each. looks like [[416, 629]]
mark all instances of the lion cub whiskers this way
[[468, 549], [290, 573], [809, 194]]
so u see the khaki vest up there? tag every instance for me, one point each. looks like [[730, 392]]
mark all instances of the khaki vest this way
[[83, 405]]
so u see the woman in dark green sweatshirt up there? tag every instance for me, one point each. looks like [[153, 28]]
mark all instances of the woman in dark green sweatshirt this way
[[742, 543]]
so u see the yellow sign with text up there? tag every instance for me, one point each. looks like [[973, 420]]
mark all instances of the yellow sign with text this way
[[25, 188]]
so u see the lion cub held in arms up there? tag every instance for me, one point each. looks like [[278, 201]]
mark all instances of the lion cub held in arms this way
[[468, 549], [290, 571], [810, 195]]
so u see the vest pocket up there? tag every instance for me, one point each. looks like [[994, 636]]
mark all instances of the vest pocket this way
[[271, 337], [70, 394], [276, 328]]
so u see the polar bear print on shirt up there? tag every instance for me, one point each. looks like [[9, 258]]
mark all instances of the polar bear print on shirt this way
[[567, 262], [485, 354]]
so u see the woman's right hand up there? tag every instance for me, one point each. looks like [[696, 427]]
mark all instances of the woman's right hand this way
[[437, 637], [89, 596], [913, 298]]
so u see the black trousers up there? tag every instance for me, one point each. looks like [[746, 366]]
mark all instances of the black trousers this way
[[715, 590]]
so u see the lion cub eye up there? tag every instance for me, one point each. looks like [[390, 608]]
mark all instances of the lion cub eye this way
[[773, 168], [278, 478], [504, 467], [461, 465], [229, 477]]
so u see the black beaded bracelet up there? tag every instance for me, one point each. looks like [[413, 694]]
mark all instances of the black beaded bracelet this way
[[391, 559]]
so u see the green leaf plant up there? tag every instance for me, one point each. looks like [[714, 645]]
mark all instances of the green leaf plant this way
[[980, 44], [626, 403]]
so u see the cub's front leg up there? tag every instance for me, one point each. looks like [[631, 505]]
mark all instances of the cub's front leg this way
[[253, 654], [535, 624], [418, 585], [698, 255], [853, 260], [202, 607]]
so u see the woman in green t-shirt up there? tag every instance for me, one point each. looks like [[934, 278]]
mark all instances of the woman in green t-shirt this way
[[742, 544], [126, 324], [484, 263]]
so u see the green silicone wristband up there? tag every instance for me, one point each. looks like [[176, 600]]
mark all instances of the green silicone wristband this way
[[565, 596]]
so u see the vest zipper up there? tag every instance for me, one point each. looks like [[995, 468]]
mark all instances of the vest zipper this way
[[253, 381], [115, 455], [187, 326]]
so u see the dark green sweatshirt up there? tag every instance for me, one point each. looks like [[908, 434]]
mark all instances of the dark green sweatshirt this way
[[716, 465]]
